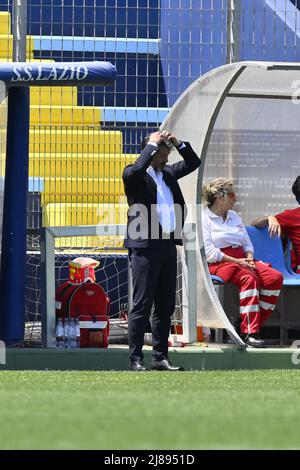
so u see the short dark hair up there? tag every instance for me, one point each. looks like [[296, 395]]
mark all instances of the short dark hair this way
[[296, 186], [145, 141]]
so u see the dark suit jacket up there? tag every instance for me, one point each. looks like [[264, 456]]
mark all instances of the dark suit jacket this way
[[141, 192]]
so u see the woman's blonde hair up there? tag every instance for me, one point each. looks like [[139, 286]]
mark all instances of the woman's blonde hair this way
[[216, 187]]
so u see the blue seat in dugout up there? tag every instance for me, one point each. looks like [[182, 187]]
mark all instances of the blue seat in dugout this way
[[270, 250], [288, 261], [216, 279]]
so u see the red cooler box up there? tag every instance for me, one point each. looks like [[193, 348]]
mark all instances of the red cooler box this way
[[89, 303]]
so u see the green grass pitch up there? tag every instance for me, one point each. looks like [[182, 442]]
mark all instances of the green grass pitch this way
[[154, 411]]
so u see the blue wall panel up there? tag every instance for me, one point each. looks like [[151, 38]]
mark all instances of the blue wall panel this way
[[268, 31], [121, 18], [193, 41], [139, 80], [110, 18]]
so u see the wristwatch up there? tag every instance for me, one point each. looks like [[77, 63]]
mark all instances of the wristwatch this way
[[179, 144]]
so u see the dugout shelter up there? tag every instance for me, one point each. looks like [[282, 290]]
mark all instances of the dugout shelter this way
[[243, 120]]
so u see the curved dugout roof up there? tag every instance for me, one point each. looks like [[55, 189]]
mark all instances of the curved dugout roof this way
[[243, 119]]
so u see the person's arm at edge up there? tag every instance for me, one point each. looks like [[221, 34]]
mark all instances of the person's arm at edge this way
[[269, 221], [190, 162], [138, 169], [248, 248], [260, 222]]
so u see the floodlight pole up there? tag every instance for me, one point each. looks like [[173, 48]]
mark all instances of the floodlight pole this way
[[19, 27], [233, 31], [13, 257], [233, 43]]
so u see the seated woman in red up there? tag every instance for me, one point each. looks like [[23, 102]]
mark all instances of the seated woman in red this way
[[229, 254]]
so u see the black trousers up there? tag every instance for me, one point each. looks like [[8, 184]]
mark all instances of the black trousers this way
[[154, 282]]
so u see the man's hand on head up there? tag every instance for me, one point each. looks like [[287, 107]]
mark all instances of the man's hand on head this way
[[164, 136], [170, 138], [174, 141], [156, 137]]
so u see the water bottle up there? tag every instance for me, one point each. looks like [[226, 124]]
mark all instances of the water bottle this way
[[59, 334], [72, 335], [77, 332], [66, 331], [206, 334]]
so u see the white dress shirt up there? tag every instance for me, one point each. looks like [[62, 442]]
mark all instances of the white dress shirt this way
[[218, 233], [165, 201]]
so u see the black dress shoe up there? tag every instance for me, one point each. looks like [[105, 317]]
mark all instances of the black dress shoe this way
[[137, 366], [165, 364], [253, 340]]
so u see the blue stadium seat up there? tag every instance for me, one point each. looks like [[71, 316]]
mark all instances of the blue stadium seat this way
[[270, 250], [216, 279], [288, 261]]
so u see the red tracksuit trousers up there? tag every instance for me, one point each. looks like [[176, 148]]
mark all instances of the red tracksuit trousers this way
[[258, 289]]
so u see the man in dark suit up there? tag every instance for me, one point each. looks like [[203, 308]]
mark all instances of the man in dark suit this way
[[155, 220]]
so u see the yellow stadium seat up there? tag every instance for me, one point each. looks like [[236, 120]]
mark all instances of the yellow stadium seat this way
[[6, 46], [5, 27], [74, 140], [55, 96], [81, 166], [2, 159], [97, 244], [65, 115], [82, 190], [3, 117], [84, 214]]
